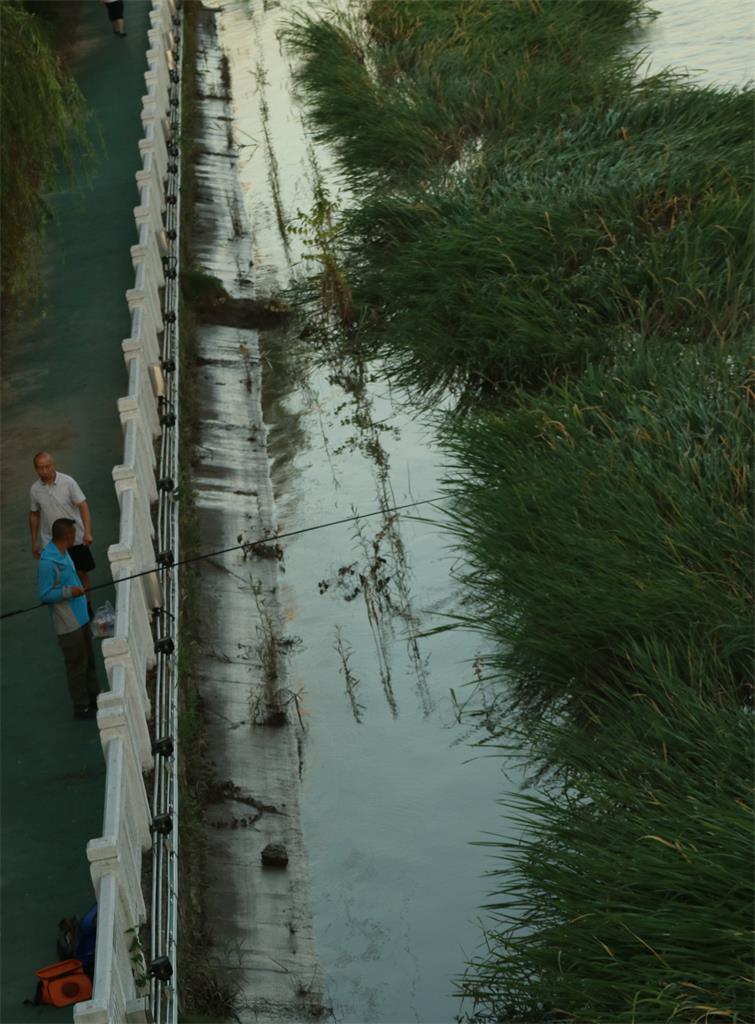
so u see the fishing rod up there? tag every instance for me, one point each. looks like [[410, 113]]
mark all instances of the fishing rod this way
[[243, 546]]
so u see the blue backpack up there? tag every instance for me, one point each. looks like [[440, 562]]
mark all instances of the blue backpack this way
[[77, 939]]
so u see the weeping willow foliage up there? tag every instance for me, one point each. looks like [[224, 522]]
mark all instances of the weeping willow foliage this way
[[43, 123], [568, 253]]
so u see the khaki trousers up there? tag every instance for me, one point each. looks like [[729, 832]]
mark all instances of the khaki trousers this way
[[78, 654]]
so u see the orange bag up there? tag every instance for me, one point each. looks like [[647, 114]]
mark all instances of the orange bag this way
[[63, 983]]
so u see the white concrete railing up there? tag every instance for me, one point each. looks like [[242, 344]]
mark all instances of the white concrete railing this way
[[132, 645], [154, 143], [145, 294], [126, 824], [139, 459], [140, 398], [147, 251], [115, 858], [143, 338], [149, 174], [112, 954], [115, 865]]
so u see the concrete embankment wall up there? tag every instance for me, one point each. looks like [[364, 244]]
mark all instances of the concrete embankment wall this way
[[258, 917]]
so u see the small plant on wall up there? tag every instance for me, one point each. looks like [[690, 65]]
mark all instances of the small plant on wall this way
[[138, 961]]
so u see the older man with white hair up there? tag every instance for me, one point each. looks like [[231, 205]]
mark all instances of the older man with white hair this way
[[57, 496]]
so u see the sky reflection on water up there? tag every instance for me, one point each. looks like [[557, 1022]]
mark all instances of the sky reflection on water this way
[[712, 39]]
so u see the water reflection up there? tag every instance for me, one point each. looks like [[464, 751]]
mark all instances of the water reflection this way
[[712, 39], [389, 806]]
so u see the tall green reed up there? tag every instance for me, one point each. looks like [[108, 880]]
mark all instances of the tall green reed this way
[[538, 259], [415, 82], [608, 509], [628, 896]]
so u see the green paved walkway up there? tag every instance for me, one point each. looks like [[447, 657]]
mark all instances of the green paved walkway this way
[[60, 385]]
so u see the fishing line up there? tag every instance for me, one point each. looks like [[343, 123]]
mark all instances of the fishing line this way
[[245, 545]]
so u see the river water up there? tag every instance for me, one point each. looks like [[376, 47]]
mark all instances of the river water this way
[[393, 795], [713, 40]]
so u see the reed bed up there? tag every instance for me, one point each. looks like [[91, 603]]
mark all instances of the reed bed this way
[[629, 897], [607, 510], [538, 260], [568, 252], [416, 82]]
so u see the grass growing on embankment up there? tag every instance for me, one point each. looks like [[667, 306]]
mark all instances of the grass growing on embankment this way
[[628, 898], [569, 254]]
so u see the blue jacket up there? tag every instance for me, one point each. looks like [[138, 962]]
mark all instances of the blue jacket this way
[[55, 578]]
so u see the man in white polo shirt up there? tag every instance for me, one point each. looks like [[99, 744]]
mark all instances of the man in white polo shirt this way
[[57, 496]]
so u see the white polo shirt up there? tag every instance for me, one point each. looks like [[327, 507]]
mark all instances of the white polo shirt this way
[[57, 500]]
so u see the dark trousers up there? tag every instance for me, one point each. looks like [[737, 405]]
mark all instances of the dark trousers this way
[[78, 654]]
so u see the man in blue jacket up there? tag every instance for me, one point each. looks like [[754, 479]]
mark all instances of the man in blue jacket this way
[[61, 588]]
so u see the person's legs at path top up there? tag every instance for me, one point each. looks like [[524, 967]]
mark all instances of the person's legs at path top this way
[[115, 13]]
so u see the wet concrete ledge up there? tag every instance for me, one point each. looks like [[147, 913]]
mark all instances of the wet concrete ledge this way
[[258, 917]]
